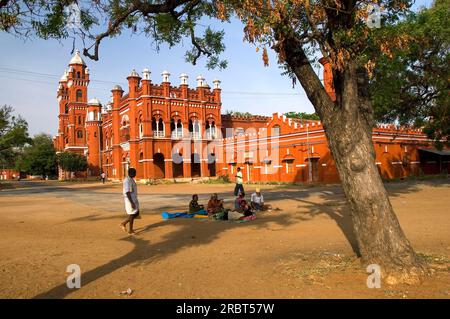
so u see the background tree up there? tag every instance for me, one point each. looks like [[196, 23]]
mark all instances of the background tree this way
[[238, 114], [72, 162], [302, 116], [38, 158], [411, 86], [299, 31], [13, 135]]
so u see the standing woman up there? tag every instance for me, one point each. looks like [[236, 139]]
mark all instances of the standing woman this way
[[131, 201]]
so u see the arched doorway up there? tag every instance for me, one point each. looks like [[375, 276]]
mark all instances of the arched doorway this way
[[158, 162], [177, 165], [212, 164], [195, 165]]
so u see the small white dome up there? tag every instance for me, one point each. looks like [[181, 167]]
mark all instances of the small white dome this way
[[117, 88], [165, 76], [94, 101], [216, 83], [63, 77], [134, 74], [76, 59]]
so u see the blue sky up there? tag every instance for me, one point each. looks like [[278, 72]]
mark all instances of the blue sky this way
[[247, 85]]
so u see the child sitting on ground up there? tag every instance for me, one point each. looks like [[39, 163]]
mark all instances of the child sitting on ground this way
[[194, 207]]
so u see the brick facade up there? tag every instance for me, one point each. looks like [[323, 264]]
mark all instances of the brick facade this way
[[167, 131]]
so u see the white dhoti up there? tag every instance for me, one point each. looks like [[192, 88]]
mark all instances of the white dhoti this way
[[129, 209]]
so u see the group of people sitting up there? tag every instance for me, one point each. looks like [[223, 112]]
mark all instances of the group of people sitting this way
[[242, 209]]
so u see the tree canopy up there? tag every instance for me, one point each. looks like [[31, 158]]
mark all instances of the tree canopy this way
[[13, 135], [72, 162], [302, 115], [411, 86], [38, 158]]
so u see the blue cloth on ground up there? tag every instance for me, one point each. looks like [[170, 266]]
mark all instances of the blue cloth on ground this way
[[167, 215], [201, 212]]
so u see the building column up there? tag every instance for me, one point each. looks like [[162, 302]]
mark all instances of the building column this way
[[168, 168], [186, 168], [204, 172]]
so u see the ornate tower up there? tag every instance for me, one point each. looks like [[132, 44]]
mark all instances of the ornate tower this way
[[61, 139], [93, 136], [77, 82]]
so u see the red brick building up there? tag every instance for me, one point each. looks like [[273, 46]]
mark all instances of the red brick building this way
[[167, 131]]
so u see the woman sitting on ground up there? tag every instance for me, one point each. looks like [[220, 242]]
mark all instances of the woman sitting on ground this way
[[215, 205], [194, 207], [238, 201], [246, 209]]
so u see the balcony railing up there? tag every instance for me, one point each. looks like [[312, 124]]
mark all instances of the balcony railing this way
[[195, 135], [158, 134], [177, 135]]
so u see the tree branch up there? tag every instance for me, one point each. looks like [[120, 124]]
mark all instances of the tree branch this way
[[145, 9]]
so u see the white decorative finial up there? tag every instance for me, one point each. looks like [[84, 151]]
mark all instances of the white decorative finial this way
[[200, 80], [165, 76], [216, 83], [146, 74], [184, 77]]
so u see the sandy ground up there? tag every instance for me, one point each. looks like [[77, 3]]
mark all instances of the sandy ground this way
[[304, 250]]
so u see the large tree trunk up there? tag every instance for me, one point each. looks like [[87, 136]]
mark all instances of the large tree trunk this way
[[377, 230], [348, 126]]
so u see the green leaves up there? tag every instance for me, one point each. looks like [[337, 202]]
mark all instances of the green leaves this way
[[13, 134], [39, 158], [302, 115], [72, 162], [410, 84]]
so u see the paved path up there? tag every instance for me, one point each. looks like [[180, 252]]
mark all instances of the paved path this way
[[108, 197]]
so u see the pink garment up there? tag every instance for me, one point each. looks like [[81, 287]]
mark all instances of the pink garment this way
[[249, 218]]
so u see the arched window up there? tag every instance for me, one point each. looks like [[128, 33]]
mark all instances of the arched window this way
[[141, 129], [194, 129], [276, 129], [95, 116], [79, 95], [66, 109], [158, 127], [79, 120], [78, 75], [176, 128], [210, 129], [79, 134], [179, 128]]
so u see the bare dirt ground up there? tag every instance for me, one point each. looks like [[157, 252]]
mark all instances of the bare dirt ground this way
[[304, 250]]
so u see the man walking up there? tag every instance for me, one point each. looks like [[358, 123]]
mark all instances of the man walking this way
[[239, 188], [103, 176], [131, 201]]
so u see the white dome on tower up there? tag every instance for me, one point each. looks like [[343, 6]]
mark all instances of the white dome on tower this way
[[134, 74], [76, 59], [94, 101], [63, 77]]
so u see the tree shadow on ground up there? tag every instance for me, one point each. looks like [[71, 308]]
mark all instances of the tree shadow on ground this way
[[144, 252], [332, 203]]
